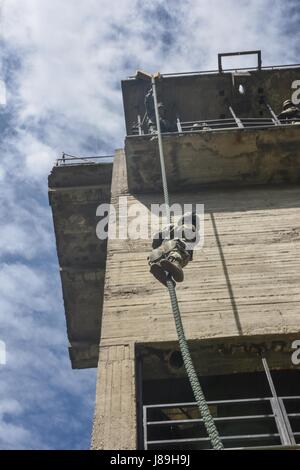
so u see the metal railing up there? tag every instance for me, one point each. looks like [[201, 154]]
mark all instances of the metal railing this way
[[68, 160], [216, 71], [233, 123], [242, 423], [211, 125], [242, 53]]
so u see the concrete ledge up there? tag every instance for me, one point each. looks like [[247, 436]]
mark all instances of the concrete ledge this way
[[84, 355], [229, 158], [74, 195]]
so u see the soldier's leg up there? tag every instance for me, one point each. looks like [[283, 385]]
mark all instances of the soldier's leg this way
[[151, 127], [186, 232], [176, 258], [154, 261]]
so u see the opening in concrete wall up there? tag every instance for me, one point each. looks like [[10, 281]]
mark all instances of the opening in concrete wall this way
[[255, 406]]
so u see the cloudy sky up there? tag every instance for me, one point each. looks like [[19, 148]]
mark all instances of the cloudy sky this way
[[62, 62]]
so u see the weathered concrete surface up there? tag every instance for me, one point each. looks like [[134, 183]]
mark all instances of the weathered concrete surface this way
[[243, 282], [75, 192], [218, 356], [208, 96], [115, 413], [230, 157], [240, 294]]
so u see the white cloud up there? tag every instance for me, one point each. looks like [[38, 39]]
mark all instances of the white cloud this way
[[2, 93], [14, 437], [37, 379], [22, 241], [64, 95], [75, 53]]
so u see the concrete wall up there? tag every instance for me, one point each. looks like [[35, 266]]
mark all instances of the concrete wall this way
[[244, 283]]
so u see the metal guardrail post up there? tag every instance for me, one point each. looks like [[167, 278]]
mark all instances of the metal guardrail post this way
[[179, 128], [275, 118], [280, 416], [237, 120], [140, 125], [145, 427], [286, 421]]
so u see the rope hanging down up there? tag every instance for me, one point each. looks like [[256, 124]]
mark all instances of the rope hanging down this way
[[188, 363]]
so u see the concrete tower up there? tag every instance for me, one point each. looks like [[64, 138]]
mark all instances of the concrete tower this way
[[240, 300]]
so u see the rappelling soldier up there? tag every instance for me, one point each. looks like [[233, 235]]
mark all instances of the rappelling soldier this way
[[150, 112], [172, 248], [165, 125]]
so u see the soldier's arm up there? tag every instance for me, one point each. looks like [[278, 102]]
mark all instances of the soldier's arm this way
[[166, 233]]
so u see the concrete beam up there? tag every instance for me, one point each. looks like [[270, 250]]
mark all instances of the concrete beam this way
[[75, 192], [218, 356], [233, 157]]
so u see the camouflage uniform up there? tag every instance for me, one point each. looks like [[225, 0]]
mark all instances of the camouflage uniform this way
[[289, 111], [150, 112], [171, 251], [200, 127], [165, 125]]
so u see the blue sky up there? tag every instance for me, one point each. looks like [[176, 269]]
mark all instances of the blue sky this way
[[62, 62]]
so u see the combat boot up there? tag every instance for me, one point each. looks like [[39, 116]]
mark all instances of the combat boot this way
[[158, 273], [154, 260], [173, 266]]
